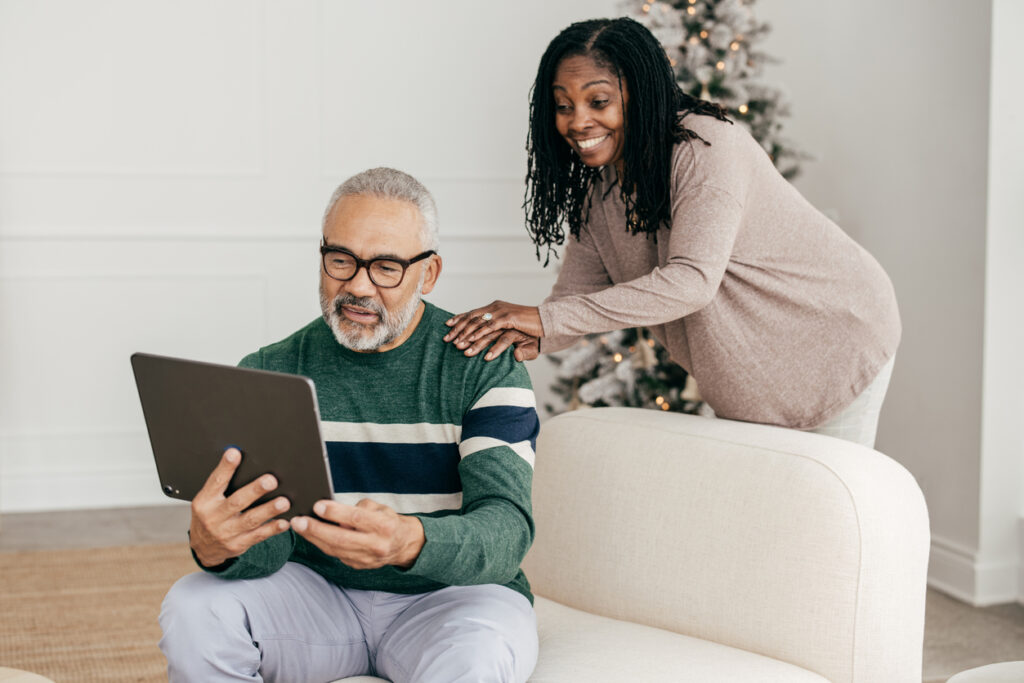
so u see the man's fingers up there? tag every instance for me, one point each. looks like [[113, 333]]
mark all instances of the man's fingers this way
[[217, 483], [348, 516], [365, 516], [356, 548], [244, 541], [250, 493], [330, 538], [257, 516]]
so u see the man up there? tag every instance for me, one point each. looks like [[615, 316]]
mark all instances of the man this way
[[412, 571]]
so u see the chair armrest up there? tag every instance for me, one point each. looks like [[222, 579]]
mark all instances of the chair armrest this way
[[793, 545]]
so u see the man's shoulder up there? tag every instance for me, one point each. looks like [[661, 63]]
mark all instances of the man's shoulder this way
[[504, 369], [282, 355]]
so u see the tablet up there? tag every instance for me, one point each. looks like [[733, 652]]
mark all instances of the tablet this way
[[195, 410]]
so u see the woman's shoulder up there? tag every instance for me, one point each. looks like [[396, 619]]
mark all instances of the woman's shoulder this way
[[720, 147]]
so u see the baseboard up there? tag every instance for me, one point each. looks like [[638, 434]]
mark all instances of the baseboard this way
[[1020, 553], [956, 571]]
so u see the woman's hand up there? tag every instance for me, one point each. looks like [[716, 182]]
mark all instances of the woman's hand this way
[[501, 324]]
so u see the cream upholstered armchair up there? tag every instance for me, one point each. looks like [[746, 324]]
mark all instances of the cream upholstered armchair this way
[[680, 548]]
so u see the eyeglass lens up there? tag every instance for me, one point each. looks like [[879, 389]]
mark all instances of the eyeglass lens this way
[[383, 272]]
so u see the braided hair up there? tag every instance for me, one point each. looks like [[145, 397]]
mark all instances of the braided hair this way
[[559, 184]]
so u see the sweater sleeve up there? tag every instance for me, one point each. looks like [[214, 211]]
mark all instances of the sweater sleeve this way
[[706, 219], [582, 272], [486, 543]]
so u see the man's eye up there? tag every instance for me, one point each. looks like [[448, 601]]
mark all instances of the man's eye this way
[[388, 267]]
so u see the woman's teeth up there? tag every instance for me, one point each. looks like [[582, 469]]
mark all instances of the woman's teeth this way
[[592, 142]]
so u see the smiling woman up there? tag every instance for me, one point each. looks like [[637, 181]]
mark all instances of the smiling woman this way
[[680, 222], [590, 101]]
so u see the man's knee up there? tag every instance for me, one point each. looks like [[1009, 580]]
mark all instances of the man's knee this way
[[482, 656], [193, 597], [205, 630], [467, 634], [197, 606]]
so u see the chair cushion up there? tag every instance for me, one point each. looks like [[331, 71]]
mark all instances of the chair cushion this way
[[578, 646]]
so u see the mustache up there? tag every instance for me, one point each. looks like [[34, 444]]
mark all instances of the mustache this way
[[369, 304]]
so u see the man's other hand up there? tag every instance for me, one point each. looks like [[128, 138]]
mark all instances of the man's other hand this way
[[221, 526], [366, 535]]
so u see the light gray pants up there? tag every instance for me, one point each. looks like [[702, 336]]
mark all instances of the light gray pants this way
[[294, 626], [859, 421]]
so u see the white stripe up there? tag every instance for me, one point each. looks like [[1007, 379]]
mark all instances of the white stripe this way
[[479, 443], [507, 396], [407, 503], [373, 432]]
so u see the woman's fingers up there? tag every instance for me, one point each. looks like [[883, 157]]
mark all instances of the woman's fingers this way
[[527, 349], [482, 343], [481, 324], [503, 341], [463, 325]]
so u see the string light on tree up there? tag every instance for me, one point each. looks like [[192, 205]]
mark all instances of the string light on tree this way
[[621, 368]]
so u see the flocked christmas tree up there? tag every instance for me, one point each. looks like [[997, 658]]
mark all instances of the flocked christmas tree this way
[[711, 45]]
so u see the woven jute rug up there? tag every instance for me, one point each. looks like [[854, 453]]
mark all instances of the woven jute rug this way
[[87, 615]]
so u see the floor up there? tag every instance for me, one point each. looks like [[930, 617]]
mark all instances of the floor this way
[[957, 636]]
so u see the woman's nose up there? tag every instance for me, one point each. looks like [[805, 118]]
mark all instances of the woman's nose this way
[[580, 121]]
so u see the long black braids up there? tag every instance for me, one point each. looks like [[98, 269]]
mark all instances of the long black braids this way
[[558, 184]]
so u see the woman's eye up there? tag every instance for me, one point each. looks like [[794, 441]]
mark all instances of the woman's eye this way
[[562, 107], [599, 104]]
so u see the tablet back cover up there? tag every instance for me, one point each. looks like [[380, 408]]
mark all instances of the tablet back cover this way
[[195, 410]]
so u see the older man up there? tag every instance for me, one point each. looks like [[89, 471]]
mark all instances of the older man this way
[[412, 571]]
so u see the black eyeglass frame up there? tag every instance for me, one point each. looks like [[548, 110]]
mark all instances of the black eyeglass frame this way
[[326, 249]]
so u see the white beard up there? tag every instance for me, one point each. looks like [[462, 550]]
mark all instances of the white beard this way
[[352, 335]]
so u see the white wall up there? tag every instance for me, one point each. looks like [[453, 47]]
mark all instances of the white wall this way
[[163, 169], [893, 100], [1002, 455]]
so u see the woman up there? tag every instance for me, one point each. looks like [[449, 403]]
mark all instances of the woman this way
[[679, 222]]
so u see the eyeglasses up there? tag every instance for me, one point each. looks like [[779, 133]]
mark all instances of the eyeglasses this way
[[341, 264]]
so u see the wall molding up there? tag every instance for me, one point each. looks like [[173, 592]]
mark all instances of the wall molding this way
[[129, 487], [206, 236], [956, 570]]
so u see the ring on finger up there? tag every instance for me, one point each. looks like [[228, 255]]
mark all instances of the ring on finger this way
[[486, 316]]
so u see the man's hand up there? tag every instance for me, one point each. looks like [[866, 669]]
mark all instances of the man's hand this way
[[221, 527], [368, 535]]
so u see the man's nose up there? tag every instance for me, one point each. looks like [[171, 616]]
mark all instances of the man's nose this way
[[361, 284]]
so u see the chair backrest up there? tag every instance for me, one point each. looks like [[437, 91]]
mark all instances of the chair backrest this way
[[792, 545]]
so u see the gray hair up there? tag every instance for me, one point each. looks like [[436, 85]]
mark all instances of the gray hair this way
[[387, 183]]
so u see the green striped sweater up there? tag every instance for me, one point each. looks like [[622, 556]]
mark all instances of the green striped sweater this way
[[427, 431]]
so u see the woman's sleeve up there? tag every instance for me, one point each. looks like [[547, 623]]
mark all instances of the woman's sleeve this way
[[705, 222], [582, 272]]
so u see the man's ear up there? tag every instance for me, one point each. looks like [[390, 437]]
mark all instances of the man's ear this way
[[433, 271]]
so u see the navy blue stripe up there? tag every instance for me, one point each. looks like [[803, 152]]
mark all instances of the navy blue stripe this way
[[394, 467], [510, 424]]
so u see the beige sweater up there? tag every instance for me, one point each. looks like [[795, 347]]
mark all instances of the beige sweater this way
[[778, 314]]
